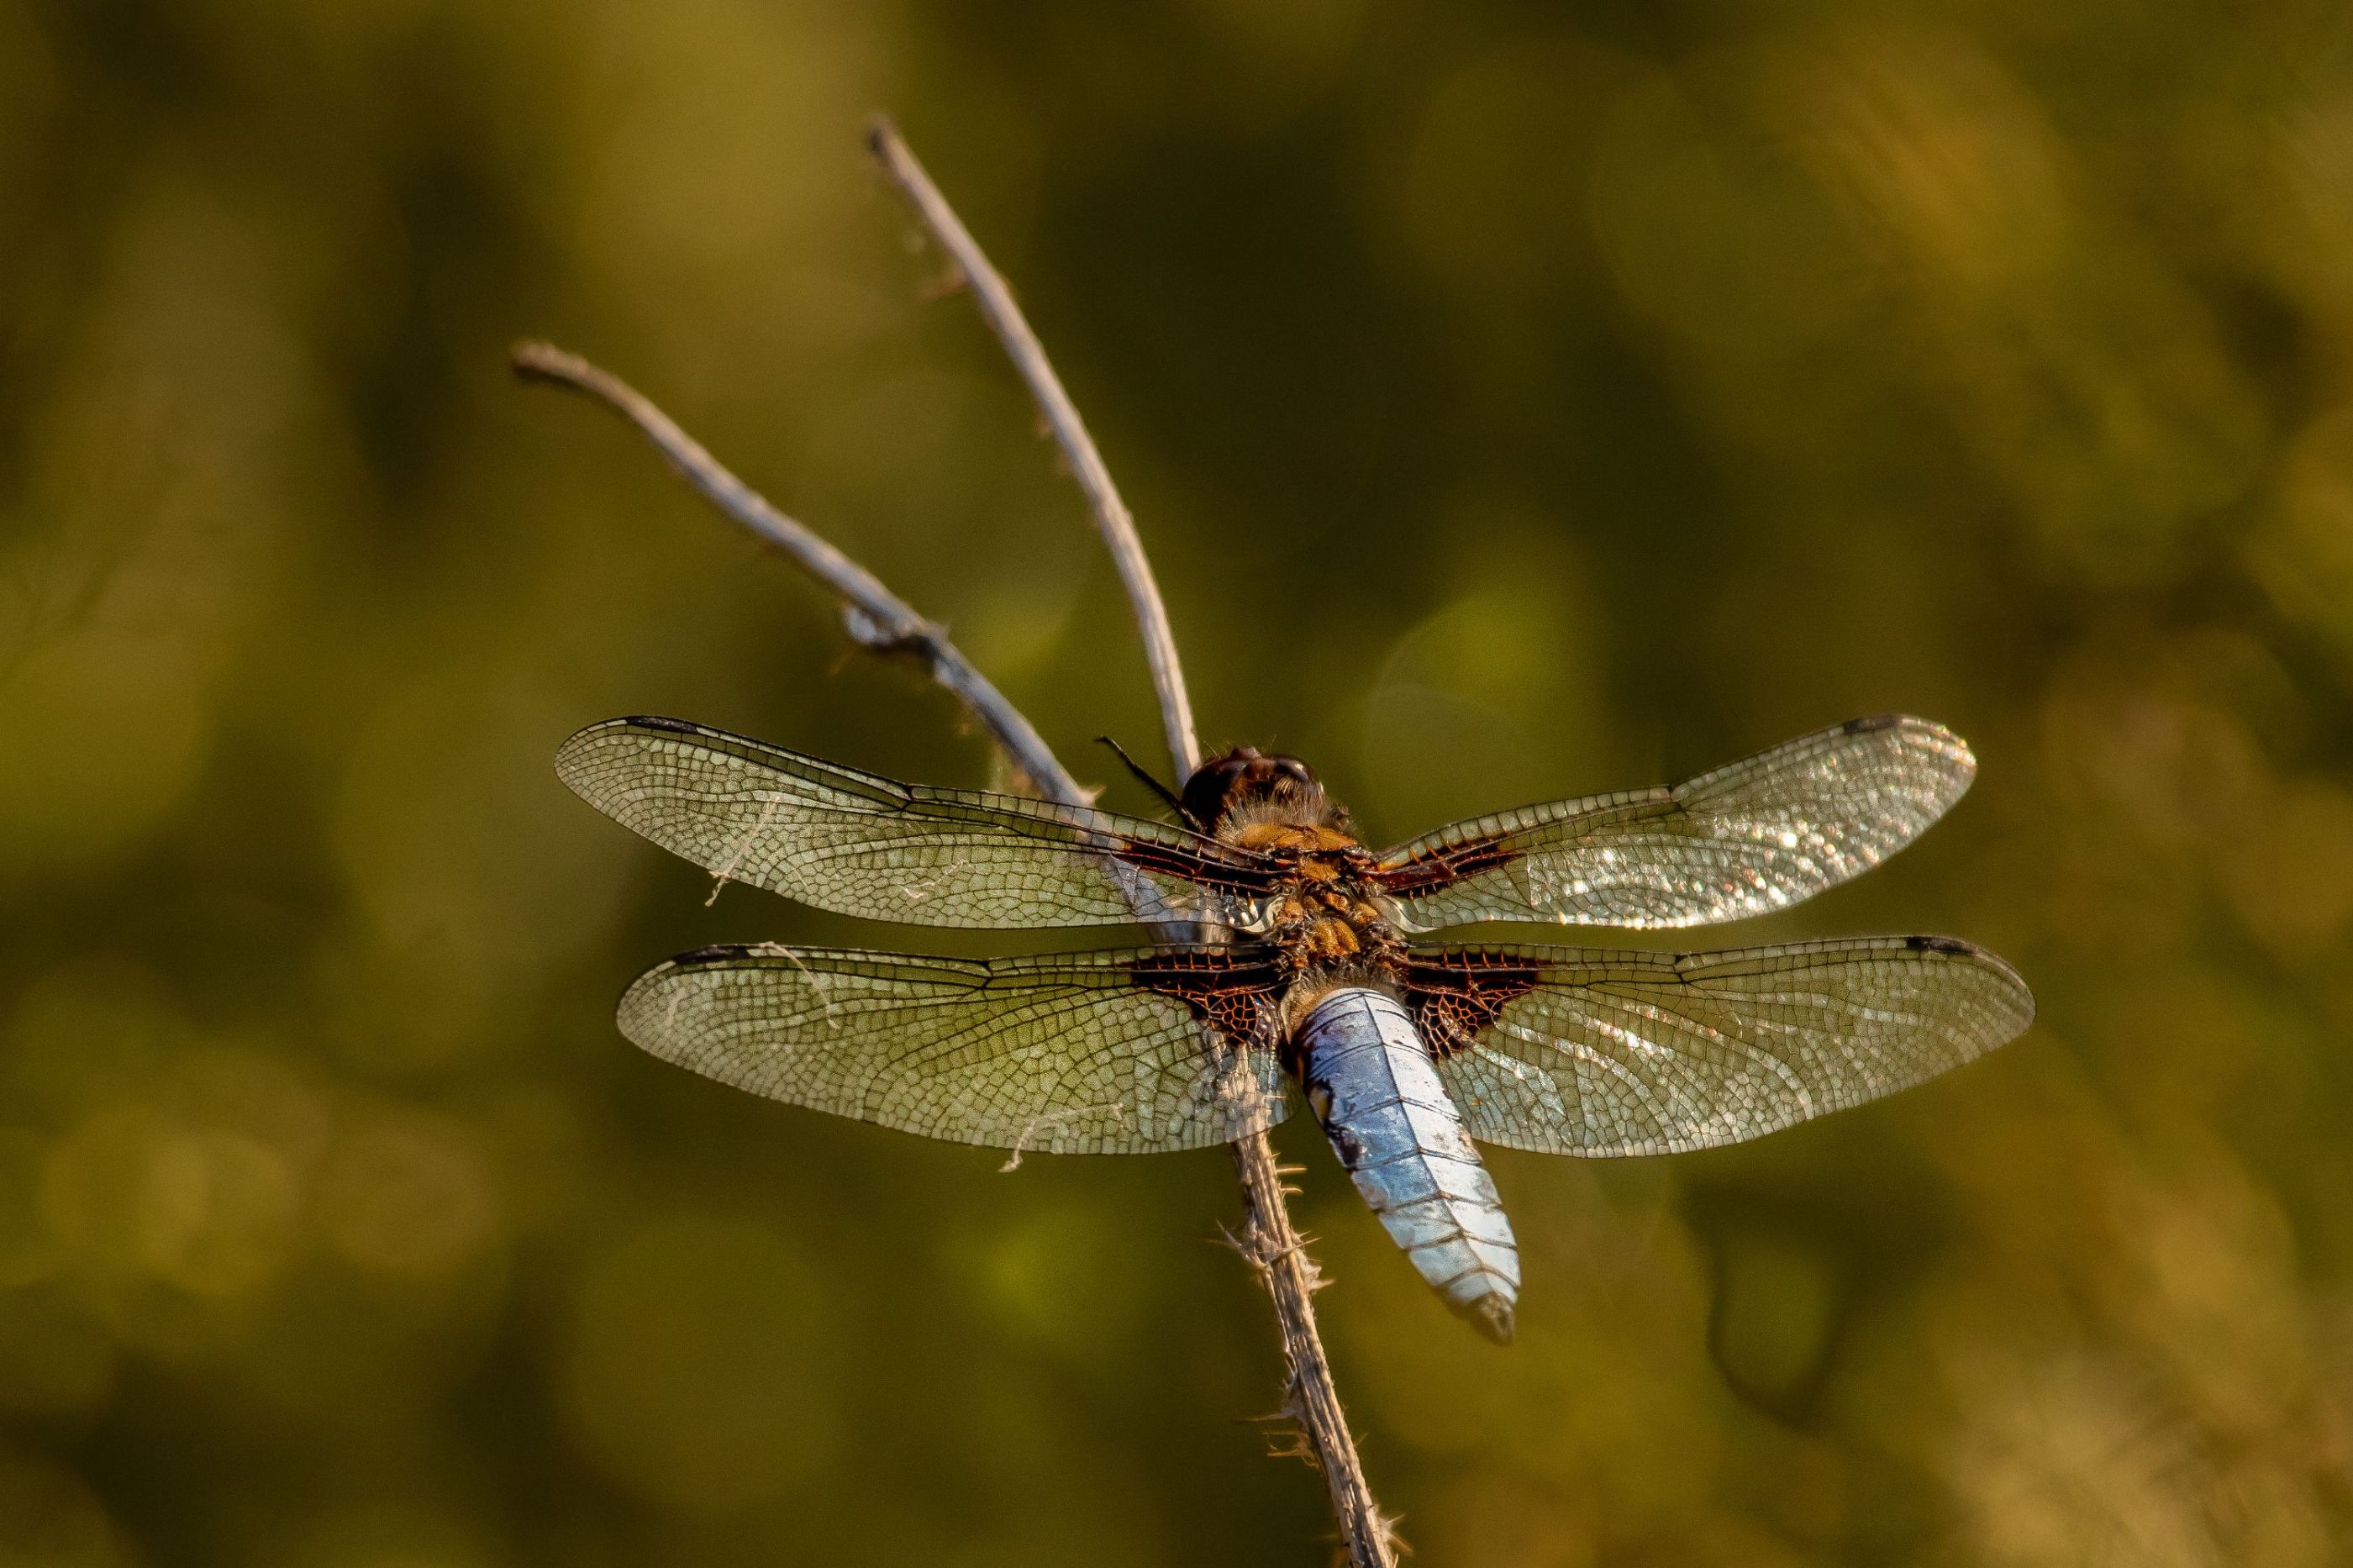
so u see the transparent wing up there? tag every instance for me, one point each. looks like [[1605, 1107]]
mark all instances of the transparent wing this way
[[1576, 1052], [1098, 1053], [861, 845], [1748, 839]]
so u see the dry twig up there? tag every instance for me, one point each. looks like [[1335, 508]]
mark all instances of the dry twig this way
[[1061, 416], [878, 620]]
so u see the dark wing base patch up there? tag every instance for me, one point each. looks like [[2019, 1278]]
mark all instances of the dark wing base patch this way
[[1457, 993]]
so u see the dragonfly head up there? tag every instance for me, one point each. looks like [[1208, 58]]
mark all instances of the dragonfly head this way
[[1245, 781]]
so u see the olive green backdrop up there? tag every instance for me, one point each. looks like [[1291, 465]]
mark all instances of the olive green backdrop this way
[[1518, 402]]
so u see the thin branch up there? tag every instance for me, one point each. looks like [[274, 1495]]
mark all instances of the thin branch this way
[[876, 618], [1278, 1253], [881, 622], [1269, 1240], [1112, 516]]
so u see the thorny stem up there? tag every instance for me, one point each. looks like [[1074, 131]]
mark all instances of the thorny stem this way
[[882, 623], [1278, 1253], [1270, 1242]]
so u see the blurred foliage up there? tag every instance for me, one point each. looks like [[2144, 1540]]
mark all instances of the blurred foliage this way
[[1519, 400]]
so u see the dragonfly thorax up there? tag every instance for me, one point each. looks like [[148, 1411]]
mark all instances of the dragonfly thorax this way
[[1325, 917]]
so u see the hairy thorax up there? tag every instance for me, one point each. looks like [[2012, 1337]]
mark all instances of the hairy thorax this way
[[1324, 912], [1322, 916]]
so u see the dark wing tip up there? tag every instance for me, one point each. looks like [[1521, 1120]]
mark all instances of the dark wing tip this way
[[2022, 995], [1876, 723], [1871, 723], [580, 740], [718, 952], [640, 722], [1926, 733], [637, 1014]]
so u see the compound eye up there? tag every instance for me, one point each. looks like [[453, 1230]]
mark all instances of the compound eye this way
[[1297, 771]]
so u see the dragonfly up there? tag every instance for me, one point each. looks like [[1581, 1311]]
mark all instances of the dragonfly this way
[[1291, 966]]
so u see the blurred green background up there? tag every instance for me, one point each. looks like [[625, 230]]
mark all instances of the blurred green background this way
[[1519, 401]]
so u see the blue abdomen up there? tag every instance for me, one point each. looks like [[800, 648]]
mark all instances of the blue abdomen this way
[[1371, 1082]]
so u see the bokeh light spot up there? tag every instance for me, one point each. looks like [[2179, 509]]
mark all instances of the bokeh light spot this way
[[409, 1195], [696, 1374]]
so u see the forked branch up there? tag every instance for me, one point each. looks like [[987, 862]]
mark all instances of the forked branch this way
[[880, 621]]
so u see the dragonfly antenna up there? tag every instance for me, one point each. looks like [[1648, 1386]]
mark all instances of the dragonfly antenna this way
[[1154, 784]]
